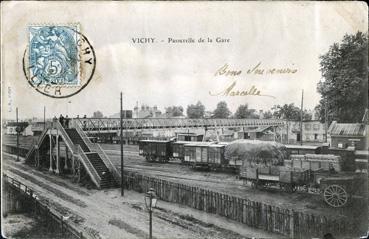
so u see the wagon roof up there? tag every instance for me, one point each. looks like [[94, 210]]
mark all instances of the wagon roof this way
[[199, 144], [347, 129], [189, 134], [182, 142], [155, 140], [291, 146], [217, 145]]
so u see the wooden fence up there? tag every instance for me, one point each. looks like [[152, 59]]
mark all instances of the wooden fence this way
[[255, 214], [24, 198]]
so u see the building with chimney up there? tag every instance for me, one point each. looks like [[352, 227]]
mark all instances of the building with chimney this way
[[146, 111]]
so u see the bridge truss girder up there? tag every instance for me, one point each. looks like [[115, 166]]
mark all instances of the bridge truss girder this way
[[113, 124]]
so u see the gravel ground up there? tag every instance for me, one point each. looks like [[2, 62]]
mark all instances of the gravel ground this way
[[105, 214]]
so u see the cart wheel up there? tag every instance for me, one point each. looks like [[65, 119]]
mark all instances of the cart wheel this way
[[335, 195]]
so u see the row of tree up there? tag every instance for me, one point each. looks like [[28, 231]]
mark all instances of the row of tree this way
[[195, 111]]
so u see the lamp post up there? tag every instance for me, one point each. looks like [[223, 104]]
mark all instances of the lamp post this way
[[150, 202]]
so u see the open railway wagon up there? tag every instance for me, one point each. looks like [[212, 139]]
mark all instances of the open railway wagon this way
[[320, 174]]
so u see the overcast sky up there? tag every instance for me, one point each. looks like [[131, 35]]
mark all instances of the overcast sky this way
[[277, 34]]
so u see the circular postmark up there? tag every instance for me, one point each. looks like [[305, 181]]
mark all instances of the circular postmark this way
[[59, 61]]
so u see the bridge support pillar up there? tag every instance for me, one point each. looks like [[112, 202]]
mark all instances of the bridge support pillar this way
[[73, 166], [51, 152], [37, 157], [57, 152], [66, 158]]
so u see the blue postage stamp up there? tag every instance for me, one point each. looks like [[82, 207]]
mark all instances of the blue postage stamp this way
[[53, 55]]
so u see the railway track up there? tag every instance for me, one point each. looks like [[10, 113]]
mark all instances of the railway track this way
[[149, 170]]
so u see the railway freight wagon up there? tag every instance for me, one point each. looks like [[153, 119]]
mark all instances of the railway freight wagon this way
[[155, 150], [178, 150], [305, 149], [163, 150], [204, 154], [315, 162], [280, 176]]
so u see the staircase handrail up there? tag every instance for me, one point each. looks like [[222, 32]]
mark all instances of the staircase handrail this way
[[84, 137], [39, 140], [84, 159], [108, 163], [65, 136], [88, 166], [97, 148]]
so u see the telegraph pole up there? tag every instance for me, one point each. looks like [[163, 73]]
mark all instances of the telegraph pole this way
[[17, 129], [121, 145], [301, 114]]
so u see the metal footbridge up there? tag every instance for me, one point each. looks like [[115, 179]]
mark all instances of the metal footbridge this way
[[100, 125], [68, 150]]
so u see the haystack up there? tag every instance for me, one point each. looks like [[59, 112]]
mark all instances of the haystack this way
[[256, 152]]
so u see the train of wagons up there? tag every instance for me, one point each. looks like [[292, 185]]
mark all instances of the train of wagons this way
[[329, 172]]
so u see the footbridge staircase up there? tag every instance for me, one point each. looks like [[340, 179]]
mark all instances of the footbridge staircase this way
[[69, 150]]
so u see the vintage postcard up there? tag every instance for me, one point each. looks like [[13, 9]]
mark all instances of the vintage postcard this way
[[184, 119]]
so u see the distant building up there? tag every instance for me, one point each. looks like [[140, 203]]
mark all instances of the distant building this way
[[11, 127], [37, 128], [261, 133], [343, 135], [313, 131], [127, 114], [28, 131], [11, 130], [146, 112]]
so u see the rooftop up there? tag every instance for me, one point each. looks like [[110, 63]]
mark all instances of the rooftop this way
[[347, 129]]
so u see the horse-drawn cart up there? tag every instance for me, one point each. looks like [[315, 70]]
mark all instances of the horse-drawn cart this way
[[336, 188]]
